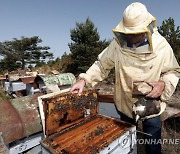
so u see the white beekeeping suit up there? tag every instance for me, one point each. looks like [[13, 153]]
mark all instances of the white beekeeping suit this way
[[151, 62]]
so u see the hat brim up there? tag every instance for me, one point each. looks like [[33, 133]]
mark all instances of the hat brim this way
[[142, 28]]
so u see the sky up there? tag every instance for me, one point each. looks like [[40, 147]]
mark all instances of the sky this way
[[52, 20]]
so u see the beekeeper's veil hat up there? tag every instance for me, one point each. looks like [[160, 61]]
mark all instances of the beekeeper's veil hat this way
[[136, 20]]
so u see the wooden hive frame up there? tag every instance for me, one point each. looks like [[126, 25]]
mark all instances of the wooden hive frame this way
[[69, 129]]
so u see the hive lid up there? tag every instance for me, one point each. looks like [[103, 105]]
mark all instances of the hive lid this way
[[62, 110]]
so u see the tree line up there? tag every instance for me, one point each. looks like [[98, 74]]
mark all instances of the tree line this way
[[84, 47]]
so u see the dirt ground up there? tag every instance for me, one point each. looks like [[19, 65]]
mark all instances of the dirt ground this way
[[168, 132]]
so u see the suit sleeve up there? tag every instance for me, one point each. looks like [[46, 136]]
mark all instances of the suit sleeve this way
[[170, 74], [101, 68]]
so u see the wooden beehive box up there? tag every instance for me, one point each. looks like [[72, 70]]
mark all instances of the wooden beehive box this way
[[72, 124]]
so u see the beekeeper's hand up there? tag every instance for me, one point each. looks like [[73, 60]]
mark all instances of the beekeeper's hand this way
[[157, 90], [78, 87]]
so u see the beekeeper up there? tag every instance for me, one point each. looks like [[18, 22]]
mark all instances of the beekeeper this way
[[138, 53]]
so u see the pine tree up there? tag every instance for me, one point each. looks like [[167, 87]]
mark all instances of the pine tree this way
[[85, 46], [24, 51], [172, 35]]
